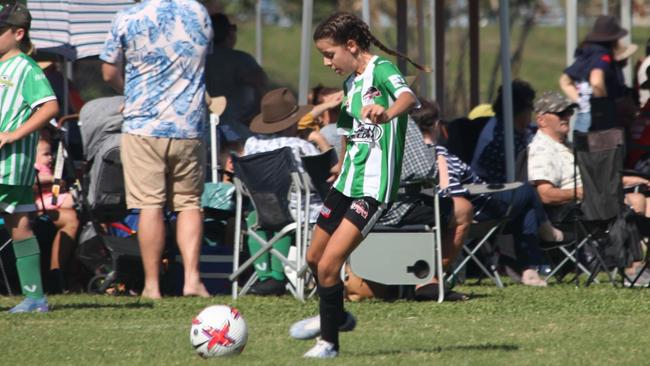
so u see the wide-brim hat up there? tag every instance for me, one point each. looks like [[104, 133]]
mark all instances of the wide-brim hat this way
[[280, 110], [624, 51], [606, 29]]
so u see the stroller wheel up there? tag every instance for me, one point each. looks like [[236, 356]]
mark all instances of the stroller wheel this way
[[100, 283]]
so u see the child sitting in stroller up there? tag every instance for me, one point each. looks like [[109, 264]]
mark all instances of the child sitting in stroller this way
[[62, 214]]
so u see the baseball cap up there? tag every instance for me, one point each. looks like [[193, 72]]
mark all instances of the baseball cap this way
[[15, 14], [553, 102]]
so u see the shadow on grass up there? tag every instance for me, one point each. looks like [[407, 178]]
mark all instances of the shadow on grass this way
[[86, 305], [461, 347]]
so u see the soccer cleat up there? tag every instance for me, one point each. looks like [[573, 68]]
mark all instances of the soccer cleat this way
[[322, 349], [29, 305], [310, 328]]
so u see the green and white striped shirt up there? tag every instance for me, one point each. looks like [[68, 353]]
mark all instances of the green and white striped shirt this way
[[373, 158], [23, 87]]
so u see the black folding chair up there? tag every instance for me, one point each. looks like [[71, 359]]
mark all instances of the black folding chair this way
[[268, 179]]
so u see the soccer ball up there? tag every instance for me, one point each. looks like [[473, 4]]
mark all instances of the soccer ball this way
[[218, 330]]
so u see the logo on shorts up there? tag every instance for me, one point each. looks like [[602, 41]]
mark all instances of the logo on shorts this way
[[325, 212], [361, 208], [370, 94]]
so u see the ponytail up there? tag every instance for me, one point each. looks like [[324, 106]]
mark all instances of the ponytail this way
[[342, 26]]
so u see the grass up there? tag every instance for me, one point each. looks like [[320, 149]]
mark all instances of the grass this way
[[516, 325]]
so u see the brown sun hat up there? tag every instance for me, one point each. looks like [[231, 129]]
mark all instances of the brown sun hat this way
[[606, 29], [280, 110]]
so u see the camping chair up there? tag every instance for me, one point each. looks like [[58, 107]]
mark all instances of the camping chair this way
[[481, 235], [403, 255], [268, 179], [599, 156]]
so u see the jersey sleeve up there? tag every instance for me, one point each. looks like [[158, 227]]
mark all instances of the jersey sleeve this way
[[113, 49], [390, 79], [36, 90]]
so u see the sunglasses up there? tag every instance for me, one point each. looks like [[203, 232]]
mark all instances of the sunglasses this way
[[564, 114]]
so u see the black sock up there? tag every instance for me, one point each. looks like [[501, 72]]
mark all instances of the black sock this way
[[331, 312]]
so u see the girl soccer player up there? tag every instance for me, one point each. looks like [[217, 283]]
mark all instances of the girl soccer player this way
[[373, 124], [28, 103]]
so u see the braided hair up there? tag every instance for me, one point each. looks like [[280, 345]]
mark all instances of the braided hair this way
[[342, 27]]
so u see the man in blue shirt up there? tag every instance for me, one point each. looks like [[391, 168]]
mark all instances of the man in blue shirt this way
[[162, 46]]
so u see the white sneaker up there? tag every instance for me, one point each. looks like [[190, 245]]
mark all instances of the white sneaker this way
[[322, 349], [310, 328]]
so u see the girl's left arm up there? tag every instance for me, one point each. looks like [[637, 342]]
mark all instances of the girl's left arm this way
[[378, 114], [38, 119]]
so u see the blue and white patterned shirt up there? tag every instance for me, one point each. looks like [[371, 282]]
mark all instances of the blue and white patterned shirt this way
[[163, 44]]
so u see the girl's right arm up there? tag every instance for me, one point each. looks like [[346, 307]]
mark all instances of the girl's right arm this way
[[336, 169]]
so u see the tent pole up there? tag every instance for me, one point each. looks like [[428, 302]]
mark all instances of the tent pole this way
[[305, 50], [508, 127]]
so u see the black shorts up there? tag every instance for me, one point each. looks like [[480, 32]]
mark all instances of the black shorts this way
[[362, 212]]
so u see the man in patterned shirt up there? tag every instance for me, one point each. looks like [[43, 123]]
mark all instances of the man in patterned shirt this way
[[162, 45]]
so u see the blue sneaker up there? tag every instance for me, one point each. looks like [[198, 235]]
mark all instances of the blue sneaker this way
[[322, 349], [310, 328], [29, 305]]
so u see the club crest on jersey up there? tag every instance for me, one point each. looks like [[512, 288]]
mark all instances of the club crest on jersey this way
[[370, 94], [361, 208], [5, 82], [366, 133]]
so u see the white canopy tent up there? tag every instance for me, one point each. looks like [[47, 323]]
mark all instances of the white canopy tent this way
[[72, 29]]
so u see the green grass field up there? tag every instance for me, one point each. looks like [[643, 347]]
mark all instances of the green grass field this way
[[559, 325]]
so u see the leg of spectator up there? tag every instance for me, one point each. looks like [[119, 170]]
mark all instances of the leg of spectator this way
[[189, 236], [463, 212], [64, 243], [151, 236]]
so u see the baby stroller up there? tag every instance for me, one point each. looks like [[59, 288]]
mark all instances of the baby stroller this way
[[108, 246]]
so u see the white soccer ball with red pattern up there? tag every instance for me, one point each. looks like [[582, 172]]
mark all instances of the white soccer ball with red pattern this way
[[218, 330]]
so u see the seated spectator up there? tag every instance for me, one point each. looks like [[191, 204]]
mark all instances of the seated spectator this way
[[63, 216], [489, 157], [277, 127], [237, 76], [309, 126], [551, 163], [529, 222]]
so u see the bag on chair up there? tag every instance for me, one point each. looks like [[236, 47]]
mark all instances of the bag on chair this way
[[357, 289]]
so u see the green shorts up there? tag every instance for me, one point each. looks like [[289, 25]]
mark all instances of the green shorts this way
[[14, 199]]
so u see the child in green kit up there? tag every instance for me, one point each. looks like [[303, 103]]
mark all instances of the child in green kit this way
[[27, 103]]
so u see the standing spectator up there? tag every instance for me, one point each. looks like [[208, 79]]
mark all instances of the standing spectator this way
[[237, 76], [595, 73], [163, 44], [489, 157], [28, 103]]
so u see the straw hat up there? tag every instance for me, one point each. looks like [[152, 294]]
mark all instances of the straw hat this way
[[280, 110], [624, 51], [216, 104]]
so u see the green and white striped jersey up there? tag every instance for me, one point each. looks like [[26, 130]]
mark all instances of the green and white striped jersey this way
[[373, 159], [23, 87]]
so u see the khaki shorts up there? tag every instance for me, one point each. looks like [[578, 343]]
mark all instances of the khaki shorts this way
[[161, 172]]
